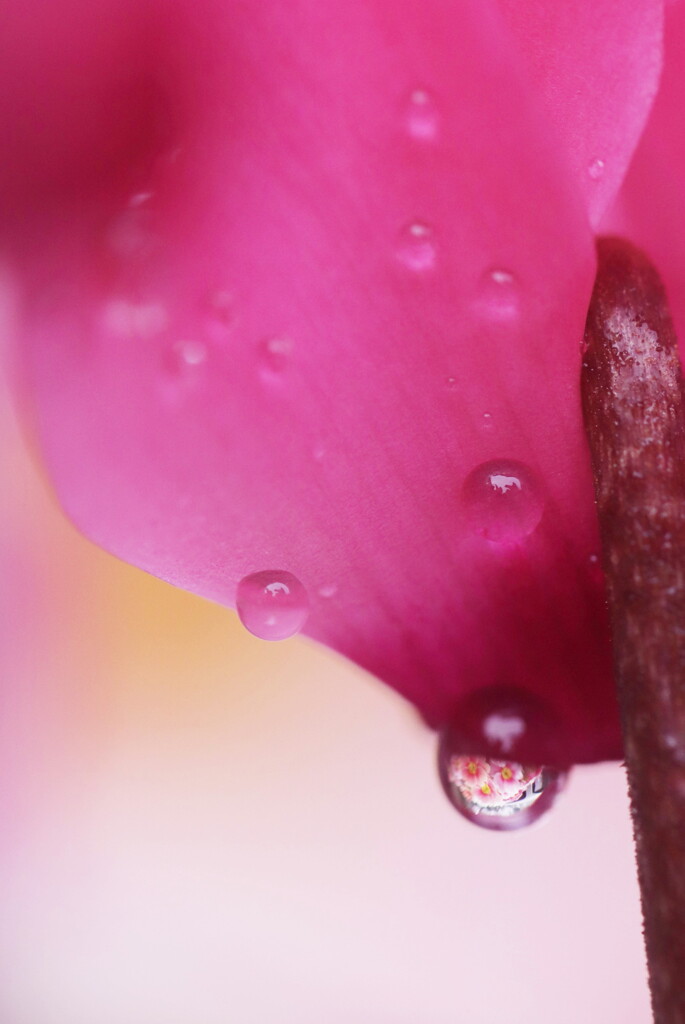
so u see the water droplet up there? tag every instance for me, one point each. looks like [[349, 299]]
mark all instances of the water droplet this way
[[500, 786], [328, 590], [422, 118], [451, 383], [416, 247], [594, 560], [190, 353], [272, 604], [596, 169], [275, 357], [499, 295], [487, 419], [503, 501]]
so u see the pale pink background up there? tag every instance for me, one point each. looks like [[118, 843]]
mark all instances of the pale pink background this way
[[200, 828]]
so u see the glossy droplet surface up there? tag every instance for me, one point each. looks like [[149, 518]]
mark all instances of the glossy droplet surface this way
[[502, 500], [272, 604], [596, 169], [499, 295], [499, 787], [416, 247], [422, 117]]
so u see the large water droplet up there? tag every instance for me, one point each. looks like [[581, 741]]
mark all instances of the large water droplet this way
[[499, 786], [499, 295], [416, 247], [272, 604], [422, 117], [503, 501]]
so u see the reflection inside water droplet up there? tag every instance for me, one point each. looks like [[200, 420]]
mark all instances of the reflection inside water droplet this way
[[498, 794], [416, 247], [502, 500], [422, 119], [500, 787], [272, 604]]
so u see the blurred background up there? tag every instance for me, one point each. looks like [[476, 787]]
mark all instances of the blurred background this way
[[198, 826]]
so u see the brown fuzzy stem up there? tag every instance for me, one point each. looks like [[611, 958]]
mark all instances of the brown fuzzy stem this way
[[635, 422]]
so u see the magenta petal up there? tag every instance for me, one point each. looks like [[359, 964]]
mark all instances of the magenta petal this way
[[597, 68], [357, 273], [651, 206]]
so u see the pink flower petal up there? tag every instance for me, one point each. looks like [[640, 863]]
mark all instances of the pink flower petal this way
[[597, 68], [320, 312], [651, 205]]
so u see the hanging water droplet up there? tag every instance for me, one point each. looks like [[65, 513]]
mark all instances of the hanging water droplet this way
[[499, 295], [502, 500], [416, 247], [275, 357], [422, 117], [272, 604], [499, 787], [596, 169]]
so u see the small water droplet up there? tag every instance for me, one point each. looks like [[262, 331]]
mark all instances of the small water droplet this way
[[499, 295], [130, 234], [190, 353], [594, 560], [596, 169], [134, 319], [487, 420], [451, 383], [416, 247], [275, 357], [503, 501], [499, 787], [272, 604], [422, 117], [328, 590]]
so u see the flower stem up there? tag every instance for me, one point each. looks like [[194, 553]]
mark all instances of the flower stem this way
[[634, 412]]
